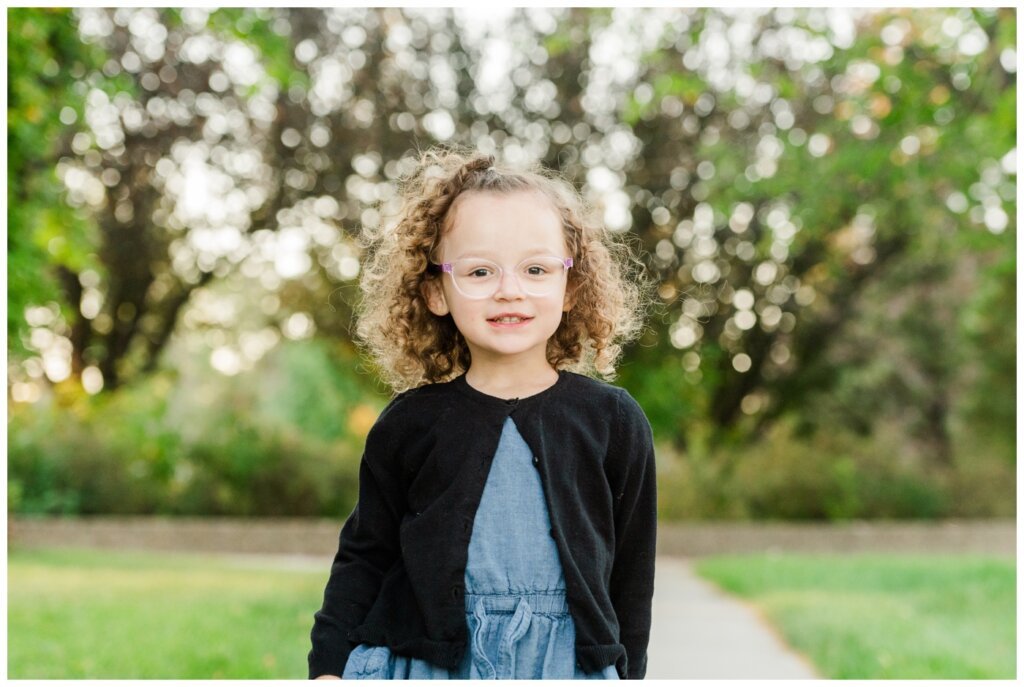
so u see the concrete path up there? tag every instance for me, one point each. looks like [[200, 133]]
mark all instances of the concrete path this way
[[699, 632]]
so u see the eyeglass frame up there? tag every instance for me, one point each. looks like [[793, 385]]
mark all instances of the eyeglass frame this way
[[446, 268]]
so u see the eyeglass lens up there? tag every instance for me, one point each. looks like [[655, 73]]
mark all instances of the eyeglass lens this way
[[479, 278]]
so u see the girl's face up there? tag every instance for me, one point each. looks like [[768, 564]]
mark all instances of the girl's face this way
[[504, 228]]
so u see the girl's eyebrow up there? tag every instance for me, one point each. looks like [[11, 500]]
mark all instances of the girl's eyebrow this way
[[528, 252]]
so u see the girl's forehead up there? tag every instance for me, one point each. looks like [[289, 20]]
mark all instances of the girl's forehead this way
[[526, 215], [523, 221]]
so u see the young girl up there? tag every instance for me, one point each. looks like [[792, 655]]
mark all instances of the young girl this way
[[505, 526]]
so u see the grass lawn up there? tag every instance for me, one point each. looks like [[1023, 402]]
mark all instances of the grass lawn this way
[[884, 616], [112, 614]]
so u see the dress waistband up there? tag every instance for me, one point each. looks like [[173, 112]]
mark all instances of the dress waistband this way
[[539, 602]]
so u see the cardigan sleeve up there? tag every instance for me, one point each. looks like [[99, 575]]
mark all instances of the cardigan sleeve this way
[[636, 511], [368, 546]]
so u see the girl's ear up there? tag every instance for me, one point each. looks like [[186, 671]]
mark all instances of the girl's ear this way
[[433, 294]]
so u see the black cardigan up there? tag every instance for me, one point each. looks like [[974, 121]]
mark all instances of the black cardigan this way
[[397, 579]]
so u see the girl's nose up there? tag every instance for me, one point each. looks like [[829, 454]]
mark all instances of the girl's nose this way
[[509, 286]]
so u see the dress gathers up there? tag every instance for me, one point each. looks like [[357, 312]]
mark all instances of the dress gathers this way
[[516, 608]]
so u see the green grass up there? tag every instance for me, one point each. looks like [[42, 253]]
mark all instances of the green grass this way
[[884, 617], [112, 614]]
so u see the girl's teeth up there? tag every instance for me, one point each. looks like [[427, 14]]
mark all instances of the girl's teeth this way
[[508, 319]]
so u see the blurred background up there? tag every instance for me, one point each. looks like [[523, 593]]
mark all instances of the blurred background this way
[[826, 197]]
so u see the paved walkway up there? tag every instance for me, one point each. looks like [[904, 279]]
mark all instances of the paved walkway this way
[[699, 632]]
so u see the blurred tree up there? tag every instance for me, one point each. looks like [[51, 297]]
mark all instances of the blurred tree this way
[[807, 184], [765, 266]]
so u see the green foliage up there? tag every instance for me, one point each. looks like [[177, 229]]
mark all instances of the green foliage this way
[[309, 386], [833, 475], [134, 453], [871, 617], [669, 401], [45, 63], [988, 326], [247, 470], [958, 112], [269, 35]]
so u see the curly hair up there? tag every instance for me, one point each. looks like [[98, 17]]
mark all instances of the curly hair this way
[[412, 346]]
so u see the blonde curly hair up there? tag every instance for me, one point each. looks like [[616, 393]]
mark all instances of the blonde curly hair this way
[[412, 346]]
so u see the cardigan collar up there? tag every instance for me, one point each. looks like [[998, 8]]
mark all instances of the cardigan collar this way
[[506, 404]]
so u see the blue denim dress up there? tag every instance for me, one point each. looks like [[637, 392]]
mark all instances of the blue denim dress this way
[[516, 608]]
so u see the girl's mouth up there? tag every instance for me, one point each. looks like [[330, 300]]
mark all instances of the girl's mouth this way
[[509, 322]]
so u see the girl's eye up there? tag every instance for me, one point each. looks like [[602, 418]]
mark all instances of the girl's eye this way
[[536, 270], [479, 272]]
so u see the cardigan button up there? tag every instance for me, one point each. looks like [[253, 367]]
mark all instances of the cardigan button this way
[[536, 460], [456, 591], [552, 532]]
